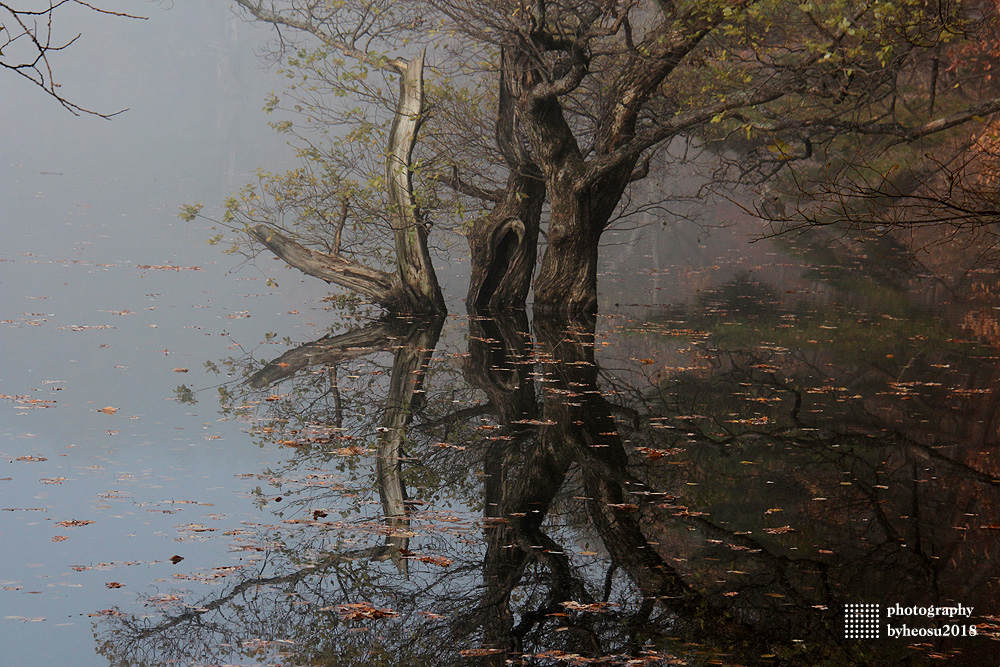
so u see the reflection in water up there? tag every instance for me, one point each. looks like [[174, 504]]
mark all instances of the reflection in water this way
[[530, 499]]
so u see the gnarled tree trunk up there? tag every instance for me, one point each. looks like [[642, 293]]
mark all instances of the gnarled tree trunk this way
[[504, 247], [580, 212], [504, 243]]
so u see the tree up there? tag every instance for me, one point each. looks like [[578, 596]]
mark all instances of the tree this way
[[27, 43], [583, 97], [413, 286]]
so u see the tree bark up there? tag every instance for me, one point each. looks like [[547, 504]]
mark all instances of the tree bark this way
[[504, 244], [504, 247], [413, 260], [379, 286]]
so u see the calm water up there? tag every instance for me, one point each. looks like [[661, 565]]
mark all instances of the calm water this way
[[200, 470]]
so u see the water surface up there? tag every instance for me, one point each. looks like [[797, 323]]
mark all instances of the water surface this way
[[199, 469]]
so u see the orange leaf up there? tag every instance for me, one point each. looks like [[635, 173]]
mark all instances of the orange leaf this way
[[363, 610]]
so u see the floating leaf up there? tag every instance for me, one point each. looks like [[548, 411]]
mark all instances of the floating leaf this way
[[651, 453], [624, 507], [363, 611], [106, 612], [593, 606]]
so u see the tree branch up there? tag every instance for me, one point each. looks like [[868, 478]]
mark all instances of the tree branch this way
[[377, 285], [34, 65], [256, 9], [455, 182]]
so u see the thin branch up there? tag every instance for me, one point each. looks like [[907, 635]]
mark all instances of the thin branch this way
[[256, 9]]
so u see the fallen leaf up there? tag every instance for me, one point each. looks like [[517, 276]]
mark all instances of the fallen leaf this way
[[196, 528], [163, 599], [176, 559], [593, 606], [108, 410], [651, 453], [114, 584], [363, 610], [106, 612], [59, 538], [624, 507], [168, 268]]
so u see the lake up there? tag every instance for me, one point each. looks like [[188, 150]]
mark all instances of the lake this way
[[756, 453]]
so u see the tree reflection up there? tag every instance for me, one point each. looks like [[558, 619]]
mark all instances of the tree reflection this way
[[518, 501]]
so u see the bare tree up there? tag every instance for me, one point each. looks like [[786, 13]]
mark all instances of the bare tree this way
[[28, 43]]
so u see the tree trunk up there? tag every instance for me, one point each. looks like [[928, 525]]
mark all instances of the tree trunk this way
[[504, 244], [381, 287], [413, 260], [567, 281], [504, 247], [582, 198]]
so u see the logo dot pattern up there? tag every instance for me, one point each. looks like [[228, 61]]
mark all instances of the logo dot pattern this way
[[862, 621]]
